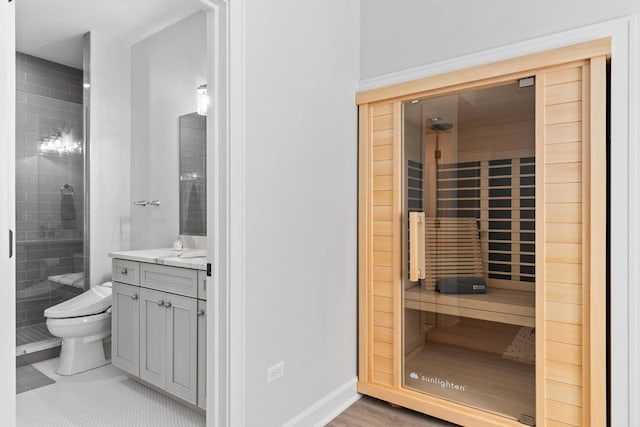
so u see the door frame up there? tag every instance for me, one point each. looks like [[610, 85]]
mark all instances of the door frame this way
[[7, 212], [225, 212]]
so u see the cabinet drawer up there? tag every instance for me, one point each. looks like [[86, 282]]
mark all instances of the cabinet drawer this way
[[181, 281], [126, 271], [202, 285]]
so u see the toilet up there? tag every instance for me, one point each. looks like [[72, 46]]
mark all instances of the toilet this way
[[82, 322]]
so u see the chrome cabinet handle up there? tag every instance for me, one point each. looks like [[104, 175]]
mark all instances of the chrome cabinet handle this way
[[160, 303], [134, 297], [200, 313], [154, 203], [124, 271], [142, 203], [167, 304]]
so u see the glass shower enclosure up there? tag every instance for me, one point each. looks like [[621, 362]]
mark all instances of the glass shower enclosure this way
[[51, 194]]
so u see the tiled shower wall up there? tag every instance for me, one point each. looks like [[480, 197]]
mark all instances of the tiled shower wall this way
[[48, 101]]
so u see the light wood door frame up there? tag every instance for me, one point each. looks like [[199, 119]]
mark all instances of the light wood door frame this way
[[388, 100]]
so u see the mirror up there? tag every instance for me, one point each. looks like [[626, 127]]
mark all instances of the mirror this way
[[193, 174]]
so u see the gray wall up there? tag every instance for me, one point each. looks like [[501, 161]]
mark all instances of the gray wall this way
[[301, 204], [48, 100], [166, 69], [409, 33]]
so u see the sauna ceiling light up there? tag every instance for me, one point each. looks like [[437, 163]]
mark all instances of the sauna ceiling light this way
[[203, 100], [415, 101]]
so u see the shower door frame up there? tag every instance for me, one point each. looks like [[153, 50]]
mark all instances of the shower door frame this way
[[387, 103]]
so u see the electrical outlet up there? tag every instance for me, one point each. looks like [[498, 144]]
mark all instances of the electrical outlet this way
[[274, 372]]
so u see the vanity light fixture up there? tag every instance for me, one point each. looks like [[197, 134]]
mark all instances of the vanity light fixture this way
[[59, 143], [203, 100]]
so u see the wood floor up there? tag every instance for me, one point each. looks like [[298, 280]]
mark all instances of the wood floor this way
[[370, 412]]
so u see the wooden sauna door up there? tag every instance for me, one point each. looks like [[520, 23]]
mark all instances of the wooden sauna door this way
[[569, 303]]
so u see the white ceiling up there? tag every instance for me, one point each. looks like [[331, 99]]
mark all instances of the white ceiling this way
[[53, 29]]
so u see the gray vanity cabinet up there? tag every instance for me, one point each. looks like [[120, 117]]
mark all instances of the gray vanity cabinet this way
[[159, 328], [125, 340]]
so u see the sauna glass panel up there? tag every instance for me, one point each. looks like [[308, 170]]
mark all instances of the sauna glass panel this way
[[469, 319]]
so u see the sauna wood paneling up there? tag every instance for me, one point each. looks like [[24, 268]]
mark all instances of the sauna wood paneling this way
[[379, 207]]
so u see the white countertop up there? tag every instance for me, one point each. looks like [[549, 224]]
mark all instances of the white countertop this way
[[164, 256]]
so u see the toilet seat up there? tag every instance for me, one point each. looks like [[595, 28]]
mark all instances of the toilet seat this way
[[78, 321], [94, 301]]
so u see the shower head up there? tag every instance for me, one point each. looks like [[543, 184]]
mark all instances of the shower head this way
[[442, 127]]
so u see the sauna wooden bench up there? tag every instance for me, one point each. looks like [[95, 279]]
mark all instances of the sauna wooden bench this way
[[497, 305]]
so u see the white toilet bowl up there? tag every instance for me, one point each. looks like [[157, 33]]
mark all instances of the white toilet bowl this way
[[83, 323]]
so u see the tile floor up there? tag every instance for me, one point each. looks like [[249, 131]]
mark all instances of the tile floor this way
[[99, 398]]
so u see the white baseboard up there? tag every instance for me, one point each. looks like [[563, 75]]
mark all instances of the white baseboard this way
[[327, 408]]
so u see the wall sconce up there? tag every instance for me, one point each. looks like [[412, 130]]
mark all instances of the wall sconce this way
[[203, 100]]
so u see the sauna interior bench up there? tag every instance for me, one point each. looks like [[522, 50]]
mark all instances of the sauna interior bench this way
[[497, 305]]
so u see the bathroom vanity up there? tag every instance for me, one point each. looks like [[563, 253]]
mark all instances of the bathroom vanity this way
[[159, 321]]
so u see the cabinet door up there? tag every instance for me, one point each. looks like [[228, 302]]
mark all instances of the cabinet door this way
[[181, 347], [125, 346], [202, 354], [153, 338]]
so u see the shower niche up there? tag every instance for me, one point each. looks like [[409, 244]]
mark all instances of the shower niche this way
[[483, 241]]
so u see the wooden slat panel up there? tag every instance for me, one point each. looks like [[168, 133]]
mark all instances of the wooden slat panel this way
[[383, 258], [382, 152], [563, 152], [382, 243], [383, 289], [382, 378], [381, 109], [382, 167], [563, 212], [382, 122], [383, 182], [565, 353], [563, 76], [569, 414], [384, 304], [382, 319], [564, 113], [566, 92], [383, 349], [382, 274], [564, 372], [555, 423], [383, 364], [563, 292], [562, 233], [563, 273], [564, 333], [563, 193], [565, 393], [382, 213], [383, 137], [383, 198], [383, 334], [563, 172], [382, 228], [564, 253], [563, 132], [565, 313]]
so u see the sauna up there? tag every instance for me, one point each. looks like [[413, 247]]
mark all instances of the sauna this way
[[482, 231]]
